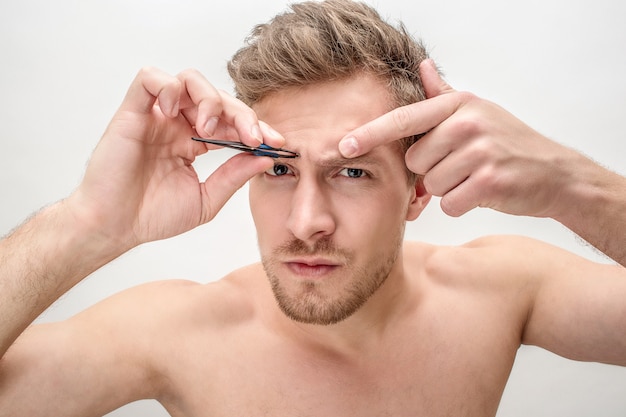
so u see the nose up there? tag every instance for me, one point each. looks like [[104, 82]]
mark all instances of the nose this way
[[310, 217]]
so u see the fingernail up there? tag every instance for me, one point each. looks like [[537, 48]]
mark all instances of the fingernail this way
[[348, 146], [273, 133], [211, 125], [277, 137], [255, 132]]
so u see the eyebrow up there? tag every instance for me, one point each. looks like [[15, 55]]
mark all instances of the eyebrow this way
[[366, 160]]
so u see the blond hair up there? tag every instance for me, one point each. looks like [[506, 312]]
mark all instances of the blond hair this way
[[327, 41]]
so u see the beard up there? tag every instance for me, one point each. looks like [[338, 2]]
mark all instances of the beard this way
[[307, 303]]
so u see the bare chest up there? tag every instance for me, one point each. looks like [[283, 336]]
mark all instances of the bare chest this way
[[450, 355], [414, 378]]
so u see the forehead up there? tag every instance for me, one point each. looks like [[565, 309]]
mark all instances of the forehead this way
[[314, 118]]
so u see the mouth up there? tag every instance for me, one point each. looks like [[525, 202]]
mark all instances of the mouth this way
[[312, 267]]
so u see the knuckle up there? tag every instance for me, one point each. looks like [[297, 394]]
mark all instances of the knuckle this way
[[469, 125], [211, 99], [471, 118], [480, 150], [402, 118], [492, 181], [466, 96], [368, 134], [146, 71], [227, 99], [189, 73]]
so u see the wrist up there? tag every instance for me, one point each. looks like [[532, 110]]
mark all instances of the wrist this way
[[590, 195], [62, 249], [92, 228], [71, 244], [566, 182]]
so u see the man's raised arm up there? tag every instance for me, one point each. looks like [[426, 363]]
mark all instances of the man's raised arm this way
[[476, 154], [139, 186]]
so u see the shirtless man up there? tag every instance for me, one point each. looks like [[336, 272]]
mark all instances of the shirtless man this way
[[342, 317]]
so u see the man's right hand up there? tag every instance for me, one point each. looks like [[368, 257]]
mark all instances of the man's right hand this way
[[140, 185]]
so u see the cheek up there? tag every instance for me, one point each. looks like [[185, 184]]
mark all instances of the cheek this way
[[269, 213], [372, 219]]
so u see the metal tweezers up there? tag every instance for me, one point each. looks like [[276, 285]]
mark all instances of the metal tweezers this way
[[261, 150]]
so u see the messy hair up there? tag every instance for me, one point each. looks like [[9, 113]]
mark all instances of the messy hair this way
[[328, 41]]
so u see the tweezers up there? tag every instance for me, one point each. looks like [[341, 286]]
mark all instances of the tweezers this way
[[261, 150]]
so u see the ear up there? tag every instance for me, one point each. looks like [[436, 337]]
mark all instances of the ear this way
[[419, 200]]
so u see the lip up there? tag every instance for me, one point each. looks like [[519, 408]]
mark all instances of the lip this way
[[311, 267]]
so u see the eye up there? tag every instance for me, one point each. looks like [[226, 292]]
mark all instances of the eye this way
[[352, 172], [278, 170]]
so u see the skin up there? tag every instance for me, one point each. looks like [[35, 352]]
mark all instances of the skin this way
[[476, 154], [139, 186], [317, 200], [437, 338]]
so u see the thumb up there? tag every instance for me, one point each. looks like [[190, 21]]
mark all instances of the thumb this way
[[433, 84], [228, 178]]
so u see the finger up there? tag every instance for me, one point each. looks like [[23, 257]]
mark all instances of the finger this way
[[149, 85], [447, 174], [433, 84], [216, 111], [486, 187], [201, 102], [228, 178], [243, 119], [429, 151], [461, 199], [271, 137], [399, 123]]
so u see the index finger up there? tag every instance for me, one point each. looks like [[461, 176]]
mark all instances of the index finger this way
[[217, 112], [213, 109], [401, 122], [148, 85]]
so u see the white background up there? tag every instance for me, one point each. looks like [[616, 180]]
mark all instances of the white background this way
[[65, 66]]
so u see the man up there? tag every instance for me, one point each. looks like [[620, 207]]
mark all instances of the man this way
[[341, 317]]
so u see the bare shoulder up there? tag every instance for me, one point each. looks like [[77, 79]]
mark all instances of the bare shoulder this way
[[185, 303], [498, 260], [535, 292], [121, 349]]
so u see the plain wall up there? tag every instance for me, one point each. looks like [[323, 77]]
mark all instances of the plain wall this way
[[65, 66]]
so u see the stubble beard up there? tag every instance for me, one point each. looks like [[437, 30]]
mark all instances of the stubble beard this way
[[308, 305]]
